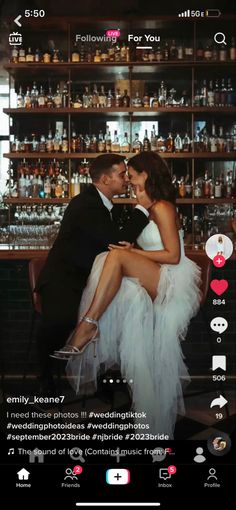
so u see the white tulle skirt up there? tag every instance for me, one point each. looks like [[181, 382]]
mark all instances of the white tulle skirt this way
[[143, 338]]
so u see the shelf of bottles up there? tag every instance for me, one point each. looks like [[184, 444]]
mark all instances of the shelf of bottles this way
[[60, 123]]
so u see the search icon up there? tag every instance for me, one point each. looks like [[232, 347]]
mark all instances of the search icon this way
[[219, 38]]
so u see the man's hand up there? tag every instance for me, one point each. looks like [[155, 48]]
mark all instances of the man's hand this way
[[143, 199], [126, 246]]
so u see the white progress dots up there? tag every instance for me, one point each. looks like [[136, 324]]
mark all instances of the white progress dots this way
[[117, 381]]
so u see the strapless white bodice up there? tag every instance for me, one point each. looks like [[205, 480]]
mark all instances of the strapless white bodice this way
[[150, 238]]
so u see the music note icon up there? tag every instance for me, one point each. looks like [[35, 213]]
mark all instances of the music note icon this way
[[11, 451]]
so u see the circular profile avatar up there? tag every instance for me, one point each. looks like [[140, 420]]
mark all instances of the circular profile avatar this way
[[219, 443], [217, 245]]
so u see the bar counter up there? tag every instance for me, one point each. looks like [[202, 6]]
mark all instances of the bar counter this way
[[25, 253]]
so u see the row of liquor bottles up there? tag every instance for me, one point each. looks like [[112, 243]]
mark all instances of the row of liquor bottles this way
[[105, 142], [207, 186], [49, 181], [212, 94], [94, 98], [122, 52], [53, 181]]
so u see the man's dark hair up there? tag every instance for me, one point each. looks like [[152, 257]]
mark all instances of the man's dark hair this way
[[103, 165]]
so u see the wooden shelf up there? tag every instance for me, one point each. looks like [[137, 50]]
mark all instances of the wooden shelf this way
[[181, 201], [91, 155], [148, 111], [66, 66]]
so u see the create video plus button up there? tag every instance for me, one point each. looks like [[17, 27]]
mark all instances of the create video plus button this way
[[117, 476]]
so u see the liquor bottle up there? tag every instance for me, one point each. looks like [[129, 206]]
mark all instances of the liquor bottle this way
[[34, 96], [75, 57], [208, 52], [146, 142], [232, 50], [197, 189], [173, 50], [49, 142], [108, 140], [118, 99], [93, 143], [115, 144], [213, 140], [137, 101], [46, 57], [189, 52], [230, 94], [223, 53], [178, 143], [216, 94], [102, 98], [180, 51], [218, 188], [29, 57], [87, 98], [155, 102], [186, 143], [21, 57], [126, 99], [42, 144], [182, 189], [162, 94], [210, 95], [146, 100], [41, 98], [101, 142], [87, 143], [65, 97], [125, 146], [37, 56], [47, 187], [203, 94], [158, 54], [57, 141], [104, 55], [221, 145], [197, 140], [136, 145], [110, 99], [169, 143], [223, 93], [229, 184], [206, 186], [153, 140], [49, 98], [55, 57], [73, 145], [34, 143], [14, 55], [205, 141], [97, 56], [95, 99], [58, 97], [20, 99], [166, 51]]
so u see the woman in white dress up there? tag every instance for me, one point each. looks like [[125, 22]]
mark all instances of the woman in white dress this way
[[137, 305]]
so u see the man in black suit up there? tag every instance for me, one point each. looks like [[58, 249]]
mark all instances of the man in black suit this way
[[86, 230]]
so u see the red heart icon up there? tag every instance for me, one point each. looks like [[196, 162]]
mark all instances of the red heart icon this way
[[219, 286]]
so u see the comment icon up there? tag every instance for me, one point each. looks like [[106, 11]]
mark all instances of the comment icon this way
[[219, 324]]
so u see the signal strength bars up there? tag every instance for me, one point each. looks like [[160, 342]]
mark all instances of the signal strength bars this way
[[184, 14]]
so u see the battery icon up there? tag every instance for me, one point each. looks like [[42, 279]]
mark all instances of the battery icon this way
[[212, 13]]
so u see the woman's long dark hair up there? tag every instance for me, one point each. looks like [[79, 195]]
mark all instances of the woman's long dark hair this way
[[158, 184]]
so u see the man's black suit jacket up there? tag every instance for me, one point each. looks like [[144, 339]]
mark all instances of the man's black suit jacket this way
[[86, 230]]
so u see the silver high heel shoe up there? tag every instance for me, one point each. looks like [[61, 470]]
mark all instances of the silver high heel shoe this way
[[70, 351]]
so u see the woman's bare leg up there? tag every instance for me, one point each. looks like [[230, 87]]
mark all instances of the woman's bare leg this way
[[118, 263]]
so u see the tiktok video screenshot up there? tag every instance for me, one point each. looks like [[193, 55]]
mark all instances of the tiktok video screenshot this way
[[117, 252]]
